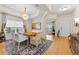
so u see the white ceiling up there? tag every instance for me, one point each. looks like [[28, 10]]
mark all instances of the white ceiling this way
[[31, 10], [57, 8], [34, 10]]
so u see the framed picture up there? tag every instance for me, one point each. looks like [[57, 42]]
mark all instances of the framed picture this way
[[36, 26]]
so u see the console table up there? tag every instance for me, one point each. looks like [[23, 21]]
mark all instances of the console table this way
[[74, 44], [1, 37]]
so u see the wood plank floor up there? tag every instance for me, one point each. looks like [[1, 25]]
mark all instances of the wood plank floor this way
[[60, 46], [2, 49]]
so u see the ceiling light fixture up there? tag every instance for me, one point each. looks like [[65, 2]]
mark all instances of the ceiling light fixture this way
[[25, 16]]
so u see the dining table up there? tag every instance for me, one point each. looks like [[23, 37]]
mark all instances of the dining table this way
[[30, 34]]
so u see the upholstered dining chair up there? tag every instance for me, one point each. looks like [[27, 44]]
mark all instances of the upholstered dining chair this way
[[8, 33], [36, 40], [19, 37]]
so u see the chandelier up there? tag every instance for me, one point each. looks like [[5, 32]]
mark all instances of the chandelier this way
[[25, 16]]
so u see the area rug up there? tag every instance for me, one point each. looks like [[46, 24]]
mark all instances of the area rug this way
[[11, 48]]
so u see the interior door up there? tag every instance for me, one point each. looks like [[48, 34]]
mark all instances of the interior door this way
[[49, 26], [64, 28]]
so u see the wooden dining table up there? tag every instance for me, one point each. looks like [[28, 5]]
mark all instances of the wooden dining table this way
[[29, 34]]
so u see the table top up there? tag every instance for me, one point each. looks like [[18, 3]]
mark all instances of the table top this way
[[30, 33]]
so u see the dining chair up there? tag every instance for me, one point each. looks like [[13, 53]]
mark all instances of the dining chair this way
[[36, 40]]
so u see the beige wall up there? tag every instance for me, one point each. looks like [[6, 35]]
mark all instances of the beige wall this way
[[28, 24], [65, 23], [76, 14], [43, 21], [0, 22]]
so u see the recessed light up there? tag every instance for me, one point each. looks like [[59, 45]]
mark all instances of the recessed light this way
[[64, 8]]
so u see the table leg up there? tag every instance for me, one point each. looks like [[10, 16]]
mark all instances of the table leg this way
[[18, 47], [29, 40], [29, 44]]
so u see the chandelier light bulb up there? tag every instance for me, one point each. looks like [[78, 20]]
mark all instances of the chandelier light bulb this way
[[25, 16]]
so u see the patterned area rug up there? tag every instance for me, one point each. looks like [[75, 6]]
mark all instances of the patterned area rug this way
[[11, 48]]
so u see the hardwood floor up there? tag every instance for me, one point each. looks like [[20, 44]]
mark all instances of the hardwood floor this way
[[2, 49], [60, 46]]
